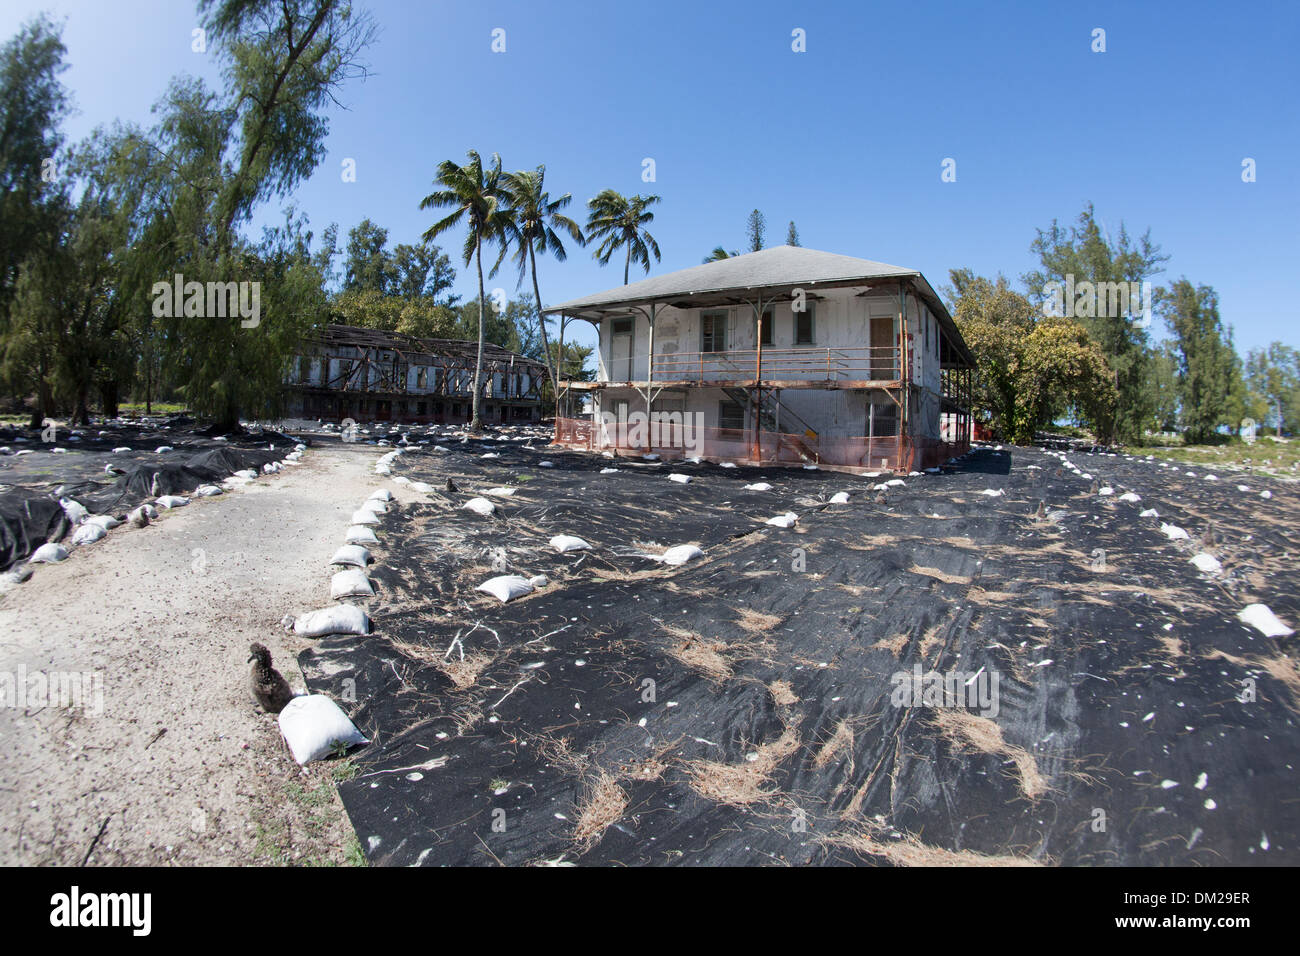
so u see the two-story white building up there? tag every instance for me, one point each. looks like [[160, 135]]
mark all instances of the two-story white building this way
[[784, 355]]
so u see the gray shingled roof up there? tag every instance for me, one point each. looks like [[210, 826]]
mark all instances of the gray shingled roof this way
[[777, 267], [780, 267]]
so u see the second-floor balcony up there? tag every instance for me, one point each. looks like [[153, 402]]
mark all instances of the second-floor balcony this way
[[810, 365]]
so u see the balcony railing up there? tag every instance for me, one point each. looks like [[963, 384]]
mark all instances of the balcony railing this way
[[802, 365]]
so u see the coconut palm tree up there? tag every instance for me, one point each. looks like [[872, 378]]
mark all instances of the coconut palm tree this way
[[718, 254], [476, 198], [619, 222], [534, 219]]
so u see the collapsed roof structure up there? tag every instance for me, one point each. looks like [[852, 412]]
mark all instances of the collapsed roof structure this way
[[345, 371]]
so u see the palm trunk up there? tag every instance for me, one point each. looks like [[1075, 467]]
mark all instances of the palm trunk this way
[[476, 423], [627, 263], [541, 324]]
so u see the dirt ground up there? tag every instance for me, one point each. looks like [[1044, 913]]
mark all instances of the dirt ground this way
[[179, 768]]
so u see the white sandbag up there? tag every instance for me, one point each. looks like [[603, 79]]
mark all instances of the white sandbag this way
[[351, 554], [207, 491], [88, 532], [500, 492], [680, 479], [840, 498], [506, 587], [609, 471], [539, 581], [1207, 563], [350, 583], [681, 554], [1149, 513], [270, 468], [171, 501], [75, 510], [383, 494], [786, 520], [382, 469], [375, 506], [360, 534], [1266, 493], [48, 553], [1173, 532], [339, 619], [122, 450], [1129, 496], [423, 487], [1261, 617], [1104, 492], [758, 486], [315, 727], [994, 492], [245, 473], [364, 516], [568, 542], [163, 449], [479, 506], [727, 464], [104, 521]]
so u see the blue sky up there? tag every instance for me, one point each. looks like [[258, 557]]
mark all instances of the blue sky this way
[[846, 139]]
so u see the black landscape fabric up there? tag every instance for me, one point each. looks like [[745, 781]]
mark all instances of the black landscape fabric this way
[[32, 484], [743, 708]]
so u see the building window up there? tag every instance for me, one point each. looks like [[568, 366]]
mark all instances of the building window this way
[[713, 332], [805, 325], [731, 414], [422, 378]]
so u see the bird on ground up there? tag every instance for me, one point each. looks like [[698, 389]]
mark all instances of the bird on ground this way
[[111, 469], [1041, 510], [451, 486], [270, 690], [880, 497], [155, 488], [139, 518], [1094, 487]]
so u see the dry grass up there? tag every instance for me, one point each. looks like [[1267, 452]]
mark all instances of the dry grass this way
[[741, 784], [893, 644], [756, 622], [841, 741], [972, 732], [782, 693], [1284, 669], [938, 575], [464, 673], [930, 640], [604, 804], [909, 851], [697, 653]]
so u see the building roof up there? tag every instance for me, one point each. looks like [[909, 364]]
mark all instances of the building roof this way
[[766, 273], [337, 335]]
